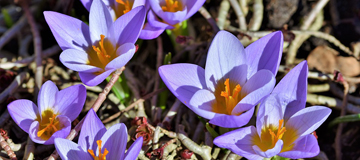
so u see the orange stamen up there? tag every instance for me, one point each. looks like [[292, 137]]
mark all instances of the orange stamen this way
[[49, 126], [280, 132], [102, 156], [126, 4], [172, 6], [101, 52], [230, 99]]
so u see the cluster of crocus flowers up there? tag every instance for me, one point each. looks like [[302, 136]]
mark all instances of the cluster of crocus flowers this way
[[97, 50], [95, 142], [54, 114], [283, 124], [233, 82], [171, 14]]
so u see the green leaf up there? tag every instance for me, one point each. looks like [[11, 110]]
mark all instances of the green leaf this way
[[342, 119], [279, 158], [164, 95], [7, 18], [211, 130], [121, 92]]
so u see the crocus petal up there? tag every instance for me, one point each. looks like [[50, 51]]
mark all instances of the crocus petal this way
[[77, 60], [155, 22], [225, 53], [69, 150], [307, 147], [239, 141], [69, 32], [269, 113], [70, 101], [308, 119], [270, 152], [171, 18], [134, 149], [92, 130], [62, 133], [201, 103], [183, 80], [124, 53], [99, 20], [193, 6], [232, 121], [86, 4], [138, 3], [92, 79], [47, 95], [150, 32], [265, 53], [292, 90], [23, 112], [115, 140], [126, 29], [255, 89]]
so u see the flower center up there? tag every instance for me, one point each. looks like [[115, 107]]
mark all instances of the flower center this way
[[49, 124], [279, 134], [102, 156], [172, 6], [102, 54], [227, 97], [230, 99], [123, 7]]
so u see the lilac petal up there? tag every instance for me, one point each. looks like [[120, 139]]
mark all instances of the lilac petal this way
[[124, 53], [270, 152], [92, 79], [255, 89], [69, 32], [149, 32], [269, 113], [307, 147], [225, 53], [171, 18], [138, 3], [47, 96], [77, 60], [292, 90], [99, 20], [232, 121], [33, 129], [239, 141], [62, 133], [193, 7], [134, 149], [86, 4], [155, 22], [70, 101], [265, 53], [23, 112], [308, 119], [126, 29], [183, 80], [69, 150], [115, 140], [201, 103], [91, 131]]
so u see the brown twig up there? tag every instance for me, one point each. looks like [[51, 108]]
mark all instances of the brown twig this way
[[37, 43], [208, 17], [239, 14], [12, 87], [133, 105], [157, 78], [6, 37], [338, 153], [6, 147]]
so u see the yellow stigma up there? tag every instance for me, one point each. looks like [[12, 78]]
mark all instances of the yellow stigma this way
[[279, 134], [102, 53], [48, 124], [172, 6], [231, 99], [124, 7], [102, 156]]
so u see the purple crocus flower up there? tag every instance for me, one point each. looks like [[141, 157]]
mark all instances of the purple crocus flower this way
[[283, 124], [117, 8], [171, 12], [52, 119], [95, 142], [233, 82], [97, 50]]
